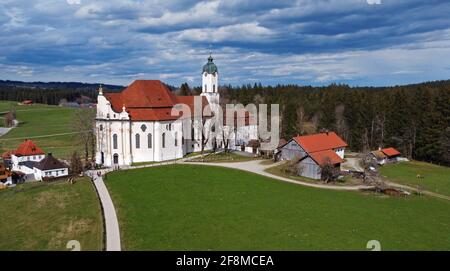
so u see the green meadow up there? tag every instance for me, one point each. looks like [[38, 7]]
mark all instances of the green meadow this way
[[189, 207], [434, 178], [45, 216]]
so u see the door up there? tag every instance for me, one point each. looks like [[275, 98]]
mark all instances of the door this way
[[116, 159]]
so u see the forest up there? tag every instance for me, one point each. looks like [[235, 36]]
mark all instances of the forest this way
[[415, 119]]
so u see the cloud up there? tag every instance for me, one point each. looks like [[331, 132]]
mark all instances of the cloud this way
[[302, 41]]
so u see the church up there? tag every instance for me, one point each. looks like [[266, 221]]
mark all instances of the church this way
[[138, 125]]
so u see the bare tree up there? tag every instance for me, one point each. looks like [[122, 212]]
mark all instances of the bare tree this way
[[76, 167], [329, 171], [300, 119], [84, 120], [292, 167], [204, 138], [341, 125], [9, 119]]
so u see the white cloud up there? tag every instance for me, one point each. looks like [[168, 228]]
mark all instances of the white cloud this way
[[74, 2], [237, 32]]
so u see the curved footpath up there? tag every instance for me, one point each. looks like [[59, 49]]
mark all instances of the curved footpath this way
[[109, 214]]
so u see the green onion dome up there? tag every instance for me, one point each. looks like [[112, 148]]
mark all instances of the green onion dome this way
[[210, 67]]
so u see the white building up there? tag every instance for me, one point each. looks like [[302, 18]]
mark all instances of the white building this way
[[30, 160], [137, 125], [50, 167]]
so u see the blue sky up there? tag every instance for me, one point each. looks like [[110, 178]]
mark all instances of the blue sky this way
[[306, 42]]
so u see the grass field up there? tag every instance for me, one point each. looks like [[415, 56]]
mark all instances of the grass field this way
[[45, 216], [189, 207], [436, 178], [222, 157], [6, 106], [42, 120]]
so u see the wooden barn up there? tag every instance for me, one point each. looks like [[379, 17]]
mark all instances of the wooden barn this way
[[314, 151]]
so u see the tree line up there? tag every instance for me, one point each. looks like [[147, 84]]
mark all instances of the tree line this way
[[415, 119]]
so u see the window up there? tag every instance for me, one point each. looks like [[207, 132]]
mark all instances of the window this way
[[107, 116], [182, 140], [176, 139], [115, 141], [214, 88], [192, 133], [164, 140], [138, 141], [206, 88], [101, 127], [149, 141], [143, 127]]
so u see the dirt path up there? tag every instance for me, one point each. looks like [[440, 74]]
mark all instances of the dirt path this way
[[352, 164]]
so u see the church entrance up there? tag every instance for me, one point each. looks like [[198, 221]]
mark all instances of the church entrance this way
[[116, 159]]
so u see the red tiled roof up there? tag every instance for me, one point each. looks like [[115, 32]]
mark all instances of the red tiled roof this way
[[28, 148], [7, 154], [116, 101], [321, 157], [150, 100], [147, 93], [390, 152], [151, 114], [320, 142]]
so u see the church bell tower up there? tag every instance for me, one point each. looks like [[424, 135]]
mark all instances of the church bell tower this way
[[210, 83]]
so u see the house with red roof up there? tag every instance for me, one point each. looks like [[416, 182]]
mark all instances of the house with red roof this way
[[313, 152], [26, 154], [147, 122], [30, 160], [386, 155]]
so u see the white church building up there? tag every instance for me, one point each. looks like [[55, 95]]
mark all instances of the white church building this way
[[137, 124]]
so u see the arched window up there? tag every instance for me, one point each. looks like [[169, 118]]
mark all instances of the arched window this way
[[214, 88], [149, 141], [176, 139], [192, 133], [138, 141], [164, 140], [101, 127], [115, 141]]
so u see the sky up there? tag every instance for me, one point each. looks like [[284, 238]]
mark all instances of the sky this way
[[306, 42]]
